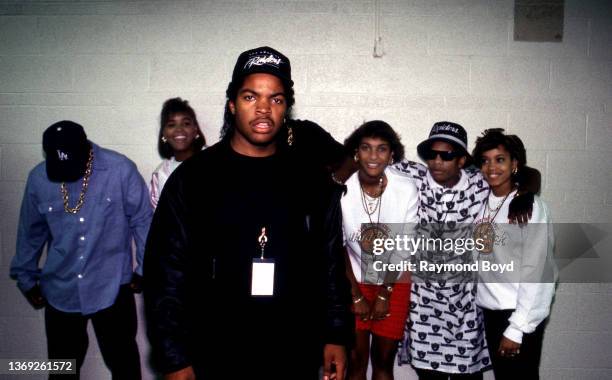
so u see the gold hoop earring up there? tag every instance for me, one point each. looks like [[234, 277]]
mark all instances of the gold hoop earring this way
[[164, 140]]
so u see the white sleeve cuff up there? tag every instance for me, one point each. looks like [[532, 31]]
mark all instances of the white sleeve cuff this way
[[514, 334]]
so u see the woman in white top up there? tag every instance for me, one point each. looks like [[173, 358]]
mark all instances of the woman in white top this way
[[179, 138], [516, 293], [379, 203]]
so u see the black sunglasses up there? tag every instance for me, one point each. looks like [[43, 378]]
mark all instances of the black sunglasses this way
[[431, 154]]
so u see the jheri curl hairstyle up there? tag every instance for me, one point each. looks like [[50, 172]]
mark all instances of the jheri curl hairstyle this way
[[229, 119]]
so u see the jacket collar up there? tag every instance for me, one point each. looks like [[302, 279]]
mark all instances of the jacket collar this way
[[461, 185], [99, 162]]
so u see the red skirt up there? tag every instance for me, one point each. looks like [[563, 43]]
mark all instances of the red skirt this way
[[391, 327]]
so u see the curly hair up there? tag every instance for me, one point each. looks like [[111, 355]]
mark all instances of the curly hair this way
[[229, 119], [376, 129], [173, 106], [495, 137]]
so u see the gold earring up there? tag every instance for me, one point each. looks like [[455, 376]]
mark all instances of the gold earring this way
[[356, 158], [290, 136], [164, 139], [197, 137], [515, 171]]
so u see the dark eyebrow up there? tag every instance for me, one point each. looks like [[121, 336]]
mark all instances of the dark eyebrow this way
[[383, 144], [247, 90], [256, 93]]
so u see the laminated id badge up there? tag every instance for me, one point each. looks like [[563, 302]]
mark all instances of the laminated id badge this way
[[262, 273], [262, 277]]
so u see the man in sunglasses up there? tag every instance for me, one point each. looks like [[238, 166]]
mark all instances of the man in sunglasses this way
[[445, 158], [445, 334]]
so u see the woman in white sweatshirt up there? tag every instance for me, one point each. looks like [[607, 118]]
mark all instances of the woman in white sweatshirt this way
[[378, 203], [180, 137], [517, 276]]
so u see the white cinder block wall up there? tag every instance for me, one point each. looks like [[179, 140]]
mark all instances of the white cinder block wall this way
[[109, 65]]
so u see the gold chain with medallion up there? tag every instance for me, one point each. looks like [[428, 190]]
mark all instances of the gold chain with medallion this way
[[373, 230], [81, 200], [485, 231]]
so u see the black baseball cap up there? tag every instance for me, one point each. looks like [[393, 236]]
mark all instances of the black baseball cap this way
[[263, 60], [448, 132], [66, 151]]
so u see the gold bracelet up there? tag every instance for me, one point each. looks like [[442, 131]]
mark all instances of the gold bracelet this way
[[358, 299]]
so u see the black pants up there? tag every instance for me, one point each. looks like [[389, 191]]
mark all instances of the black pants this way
[[115, 329], [253, 348], [437, 375], [524, 366]]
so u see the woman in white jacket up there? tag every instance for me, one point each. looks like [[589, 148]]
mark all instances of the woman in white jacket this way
[[180, 137], [379, 203], [517, 275]]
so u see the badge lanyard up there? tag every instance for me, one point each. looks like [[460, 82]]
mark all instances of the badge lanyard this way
[[262, 274]]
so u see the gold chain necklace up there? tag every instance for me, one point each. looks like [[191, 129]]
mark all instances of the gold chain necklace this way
[[378, 199], [370, 205], [81, 200], [485, 231], [496, 208], [372, 231]]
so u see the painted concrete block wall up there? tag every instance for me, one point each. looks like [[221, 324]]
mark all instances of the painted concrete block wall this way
[[110, 64]]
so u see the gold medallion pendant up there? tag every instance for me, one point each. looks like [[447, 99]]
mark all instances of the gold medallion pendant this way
[[370, 232], [485, 233]]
